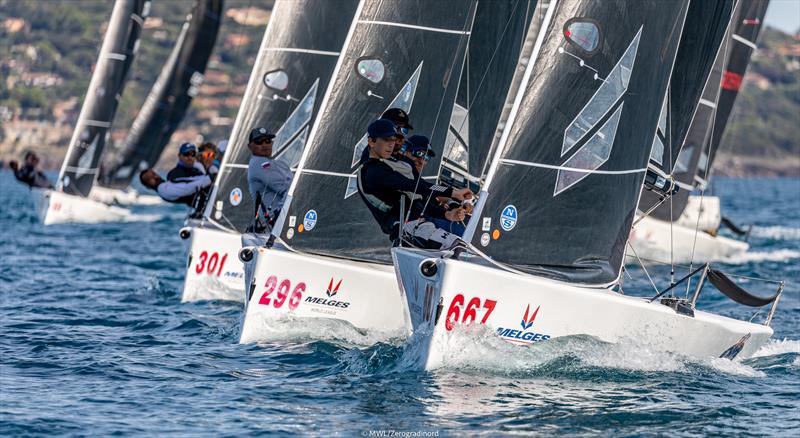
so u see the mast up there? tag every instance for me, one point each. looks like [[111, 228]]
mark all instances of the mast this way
[[402, 54], [564, 184], [169, 99], [295, 62], [79, 170]]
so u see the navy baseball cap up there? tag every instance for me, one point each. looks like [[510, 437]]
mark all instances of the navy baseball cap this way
[[398, 116], [382, 128], [419, 143], [186, 148], [257, 133]]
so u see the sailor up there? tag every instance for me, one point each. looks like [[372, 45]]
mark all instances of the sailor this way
[[388, 188], [186, 171], [267, 179], [29, 174], [208, 156], [418, 149], [183, 192]]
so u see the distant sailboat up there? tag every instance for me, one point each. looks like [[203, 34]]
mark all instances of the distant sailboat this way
[[298, 53], [165, 106], [69, 201], [548, 236]]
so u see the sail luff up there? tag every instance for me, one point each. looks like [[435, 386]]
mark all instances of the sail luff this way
[[79, 169]]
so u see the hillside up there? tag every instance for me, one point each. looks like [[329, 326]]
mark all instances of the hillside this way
[[47, 50]]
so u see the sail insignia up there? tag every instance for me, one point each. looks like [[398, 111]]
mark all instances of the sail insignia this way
[[597, 149]]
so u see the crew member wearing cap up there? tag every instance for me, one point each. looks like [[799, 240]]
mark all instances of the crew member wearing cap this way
[[267, 179], [388, 187], [418, 149], [187, 171]]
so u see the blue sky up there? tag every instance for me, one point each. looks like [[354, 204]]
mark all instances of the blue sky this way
[[784, 14]]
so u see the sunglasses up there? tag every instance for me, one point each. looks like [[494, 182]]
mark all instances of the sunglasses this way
[[404, 131], [190, 154], [262, 140], [421, 154]]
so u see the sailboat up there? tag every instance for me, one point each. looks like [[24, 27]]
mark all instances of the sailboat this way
[[164, 108], [330, 258], [69, 201], [682, 228], [294, 65], [547, 239]]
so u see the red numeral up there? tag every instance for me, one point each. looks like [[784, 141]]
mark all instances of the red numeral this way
[[470, 312], [270, 285], [283, 292], [200, 266], [297, 295], [489, 306], [212, 263], [221, 264]]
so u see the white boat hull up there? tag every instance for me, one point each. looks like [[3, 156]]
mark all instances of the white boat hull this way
[[122, 197], [304, 289], [213, 269], [55, 207], [524, 309], [654, 240]]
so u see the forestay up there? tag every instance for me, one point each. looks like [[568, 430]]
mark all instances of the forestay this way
[[168, 100], [405, 54], [748, 20], [498, 34], [79, 170], [703, 34], [294, 66], [563, 192]]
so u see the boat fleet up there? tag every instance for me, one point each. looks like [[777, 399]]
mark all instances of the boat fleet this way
[[587, 129]]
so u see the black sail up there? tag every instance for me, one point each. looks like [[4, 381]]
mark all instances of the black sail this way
[[169, 99], [406, 54], [702, 38], [291, 73], [498, 34], [747, 25], [563, 192], [120, 44]]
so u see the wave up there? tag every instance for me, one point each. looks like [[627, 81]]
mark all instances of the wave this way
[[476, 348], [776, 233], [775, 347], [780, 255]]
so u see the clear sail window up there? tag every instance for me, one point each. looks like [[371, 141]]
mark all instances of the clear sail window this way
[[277, 80], [583, 33], [682, 163], [371, 69]]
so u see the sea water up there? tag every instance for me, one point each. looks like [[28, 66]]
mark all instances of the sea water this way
[[94, 341]]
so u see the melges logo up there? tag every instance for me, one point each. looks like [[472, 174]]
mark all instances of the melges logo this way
[[330, 292], [524, 336]]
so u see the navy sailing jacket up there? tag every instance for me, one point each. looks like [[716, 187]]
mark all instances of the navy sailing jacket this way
[[383, 183]]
